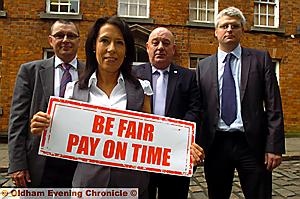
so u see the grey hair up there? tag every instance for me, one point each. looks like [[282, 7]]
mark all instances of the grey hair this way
[[231, 12]]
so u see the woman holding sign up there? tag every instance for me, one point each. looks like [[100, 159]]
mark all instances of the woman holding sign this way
[[107, 78], [107, 81]]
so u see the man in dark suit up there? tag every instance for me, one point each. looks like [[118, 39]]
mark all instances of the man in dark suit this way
[[35, 83], [175, 95], [241, 112]]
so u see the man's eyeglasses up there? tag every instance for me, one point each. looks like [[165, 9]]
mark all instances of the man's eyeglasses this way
[[61, 36]]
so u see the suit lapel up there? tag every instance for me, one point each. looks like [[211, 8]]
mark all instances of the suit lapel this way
[[148, 72], [173, 77], [213, 66], [246, 63], [47, 77]]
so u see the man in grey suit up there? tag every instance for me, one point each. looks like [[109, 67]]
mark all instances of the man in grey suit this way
[[35, 83], [241, 112], [175, 95]]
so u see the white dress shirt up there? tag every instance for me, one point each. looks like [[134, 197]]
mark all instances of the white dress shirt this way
[[117, 98]]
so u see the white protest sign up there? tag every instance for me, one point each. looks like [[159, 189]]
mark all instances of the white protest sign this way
[[87, 133]]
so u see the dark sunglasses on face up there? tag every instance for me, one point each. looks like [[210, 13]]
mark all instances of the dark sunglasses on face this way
[[61, 36]]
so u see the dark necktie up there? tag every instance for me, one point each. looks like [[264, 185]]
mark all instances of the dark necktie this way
[[66, 78], [229, 109]]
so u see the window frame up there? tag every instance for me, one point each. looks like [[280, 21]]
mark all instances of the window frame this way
[[198, 57], [1, 4], [138, 6], [47, 53], [59, 4], [2, 11], [206, 10], [142, 48], [267, 15]]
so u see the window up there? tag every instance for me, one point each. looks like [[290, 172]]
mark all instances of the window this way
[[194, 60], [141, 55], [266, 13], [1, 4], [134, 8], [203, 10], [63, 6], [48, 52]]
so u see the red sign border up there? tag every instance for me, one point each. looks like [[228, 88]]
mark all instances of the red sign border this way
[[53, 102]]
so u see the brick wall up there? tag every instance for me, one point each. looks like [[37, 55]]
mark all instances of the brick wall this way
[[23, 35]]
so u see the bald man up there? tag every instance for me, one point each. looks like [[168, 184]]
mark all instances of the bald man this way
[[177, 97]]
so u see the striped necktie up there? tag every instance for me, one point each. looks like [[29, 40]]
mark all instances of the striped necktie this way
[[66, 78]]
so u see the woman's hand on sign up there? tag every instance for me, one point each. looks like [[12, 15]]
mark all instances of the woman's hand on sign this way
[[39, 122]]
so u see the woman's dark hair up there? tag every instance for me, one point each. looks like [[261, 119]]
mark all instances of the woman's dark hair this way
[[91, 61]]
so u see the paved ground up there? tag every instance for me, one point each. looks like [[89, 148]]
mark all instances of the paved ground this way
[[286, 183], [286, 178]]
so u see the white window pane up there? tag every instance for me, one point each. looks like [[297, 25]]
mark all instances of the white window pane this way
[[202, 4], [74, 7], [210, 16], [63, 8], [256, 8], [133, 10], [211, 4], [271, 21], [263, 20], [123, 9], [193, 15], [202, 15], [271, 10], [143, 2], [256, 20], [143, 11], [53, 8], [193, 3], [263, 9], [133, 1]]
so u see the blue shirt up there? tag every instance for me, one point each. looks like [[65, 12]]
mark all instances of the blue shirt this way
[[236, 65]]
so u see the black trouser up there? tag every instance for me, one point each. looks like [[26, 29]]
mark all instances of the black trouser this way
[[168, 186], [58, 173], [231, 151]]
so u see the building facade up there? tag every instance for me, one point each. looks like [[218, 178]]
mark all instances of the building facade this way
[[272, 25]]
